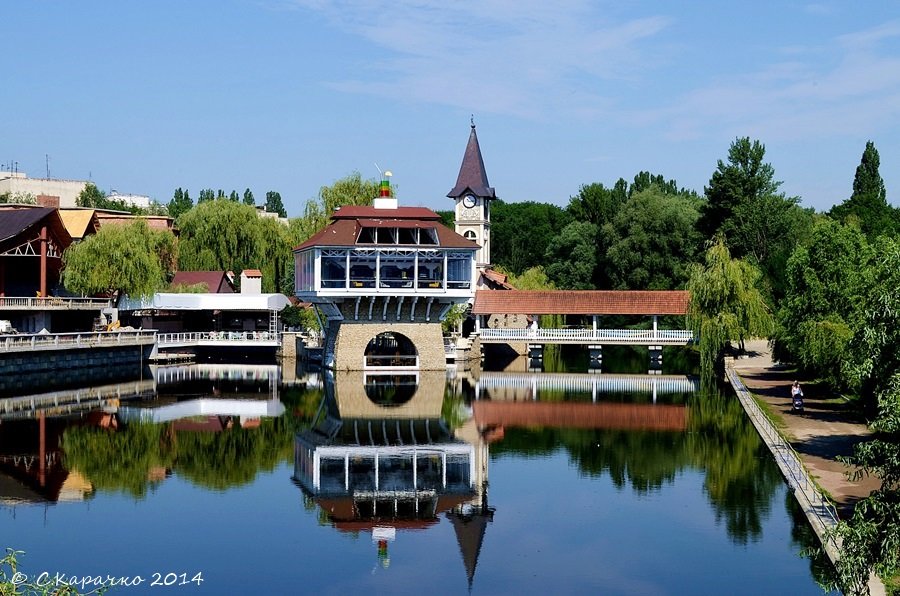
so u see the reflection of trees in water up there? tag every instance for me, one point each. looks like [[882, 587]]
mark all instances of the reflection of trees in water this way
[[808, 545], [138, 456], [121, 460], [740, 477]]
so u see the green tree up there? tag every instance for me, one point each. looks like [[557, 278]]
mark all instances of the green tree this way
[[349, 190], [206, 194], [274, 204], [181, 202], [222, 235], [652, 240], [22, 198], [131, 259], [868, 206], [522, 233], [90, 196], [874, 352], [644, 180], [758, 222], [572, 256], [826, 286], [870, 539], [234, 196], [248, 198], [597, 204], [726, 303]]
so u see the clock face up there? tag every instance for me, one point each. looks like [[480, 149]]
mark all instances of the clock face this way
[[469, 201]]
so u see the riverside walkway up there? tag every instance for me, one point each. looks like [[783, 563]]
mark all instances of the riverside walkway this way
[[816, 438]]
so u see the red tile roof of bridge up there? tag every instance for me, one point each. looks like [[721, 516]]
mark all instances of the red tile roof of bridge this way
[[582, 302]]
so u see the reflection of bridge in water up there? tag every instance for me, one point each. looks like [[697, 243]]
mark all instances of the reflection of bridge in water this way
[[74, 401], [514, 399], [528, 385]]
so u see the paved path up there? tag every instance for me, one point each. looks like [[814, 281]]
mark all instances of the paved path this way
[[820, 434]]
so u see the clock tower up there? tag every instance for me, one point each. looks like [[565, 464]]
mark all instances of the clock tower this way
[[473, 195]]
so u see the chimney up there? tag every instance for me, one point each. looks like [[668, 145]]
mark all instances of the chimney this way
[[251, 281]]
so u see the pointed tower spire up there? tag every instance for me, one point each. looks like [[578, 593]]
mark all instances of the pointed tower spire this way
[[472, 177]]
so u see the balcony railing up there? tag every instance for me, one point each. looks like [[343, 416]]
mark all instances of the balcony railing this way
[[52, 303]]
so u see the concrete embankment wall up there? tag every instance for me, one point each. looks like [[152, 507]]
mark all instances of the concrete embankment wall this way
[[47, 369], [820, 513]]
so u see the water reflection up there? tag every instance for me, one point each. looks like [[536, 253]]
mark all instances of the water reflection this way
[[403, 466], [381, 465]]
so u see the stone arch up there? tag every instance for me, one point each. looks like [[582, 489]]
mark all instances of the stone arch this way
[[390, 349]]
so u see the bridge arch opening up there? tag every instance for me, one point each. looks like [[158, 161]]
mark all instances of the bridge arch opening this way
[[391, 350]]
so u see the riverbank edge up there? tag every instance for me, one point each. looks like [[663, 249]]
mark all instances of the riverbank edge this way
[[819, 512]]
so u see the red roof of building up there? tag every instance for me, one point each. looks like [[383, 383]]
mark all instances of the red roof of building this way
[[582, 302], [345, 227], [497, 280], [216, 281], [363, 211], [251, 273]]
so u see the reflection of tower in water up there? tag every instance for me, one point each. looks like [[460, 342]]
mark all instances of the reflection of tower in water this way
[[380, 458]]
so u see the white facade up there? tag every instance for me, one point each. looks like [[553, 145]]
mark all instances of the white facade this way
[[18, 183], [473, 221]]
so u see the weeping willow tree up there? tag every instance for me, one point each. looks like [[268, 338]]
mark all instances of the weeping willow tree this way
[[223, 235], [726, 303], [131, 259]]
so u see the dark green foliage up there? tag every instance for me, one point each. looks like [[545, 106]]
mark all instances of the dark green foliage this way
[[181, 203], [234, 196], [572, 257], [826, 283], [248, 198], [874, 352], [743, 180], [871, 538], [274, 204], [448, 217], [757, 221], [652, 240], [867, 207], [93, 197], [522, 232], [644, 180], [299, 317], [207, 194], [597, 204]]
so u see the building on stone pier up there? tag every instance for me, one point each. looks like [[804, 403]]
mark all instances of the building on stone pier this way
[[381, 278]]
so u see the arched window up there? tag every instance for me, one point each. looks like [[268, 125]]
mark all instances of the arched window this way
[[471, 235]]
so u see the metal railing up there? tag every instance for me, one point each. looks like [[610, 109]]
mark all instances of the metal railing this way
[[51, 341], [586, 336], [795, 473], [215, 337], [53, 303]]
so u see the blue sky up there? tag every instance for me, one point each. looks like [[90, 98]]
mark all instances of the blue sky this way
[[290, 95]]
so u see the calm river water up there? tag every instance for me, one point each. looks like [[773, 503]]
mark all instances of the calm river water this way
[[252, 479]]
